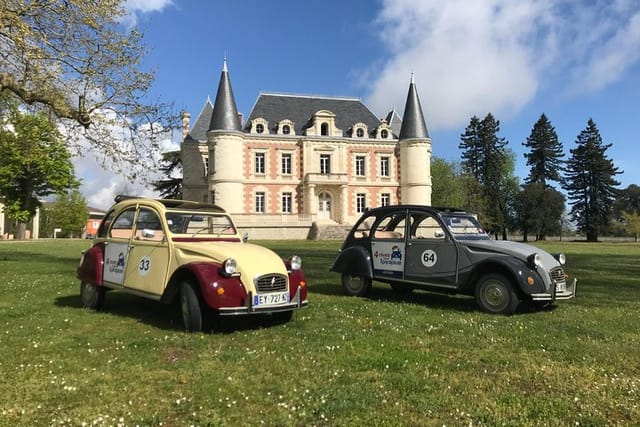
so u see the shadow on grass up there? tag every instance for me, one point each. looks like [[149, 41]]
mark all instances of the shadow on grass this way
[[168, 316], [441, 301]]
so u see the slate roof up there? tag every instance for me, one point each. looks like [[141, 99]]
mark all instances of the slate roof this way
[[394, 121], [275, 107], [413, 125], [200, 127], [225, 113]]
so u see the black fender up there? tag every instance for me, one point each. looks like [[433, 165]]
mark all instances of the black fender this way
[[355, 261], [516, 270]]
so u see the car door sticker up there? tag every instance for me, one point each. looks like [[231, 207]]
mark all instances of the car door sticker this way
[[115, 259], [144, 265], [429, 258], [388, 256]]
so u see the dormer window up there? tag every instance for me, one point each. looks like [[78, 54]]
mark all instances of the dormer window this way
[[323, 123], [285, 127], [259, 126], [359, 130], [383, 131]]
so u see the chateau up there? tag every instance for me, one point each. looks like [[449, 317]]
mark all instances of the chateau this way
[[298, 160]]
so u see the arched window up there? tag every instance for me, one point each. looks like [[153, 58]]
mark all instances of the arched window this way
[[286, 129], [324, 129], [360, 132], [384, 134], [259, 128]]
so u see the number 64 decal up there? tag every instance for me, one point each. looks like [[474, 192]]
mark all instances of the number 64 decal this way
[[429, 258]]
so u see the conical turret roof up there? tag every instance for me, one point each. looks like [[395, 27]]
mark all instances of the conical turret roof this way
[[225, 112], [413, 125]]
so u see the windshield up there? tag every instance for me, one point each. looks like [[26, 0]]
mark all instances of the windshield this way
[[465, 227], [200, 223]]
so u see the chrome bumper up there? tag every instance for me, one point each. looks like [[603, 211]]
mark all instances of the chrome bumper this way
[[296, 303], [568, 293]]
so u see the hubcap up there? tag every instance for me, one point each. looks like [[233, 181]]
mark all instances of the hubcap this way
[[495, 295]]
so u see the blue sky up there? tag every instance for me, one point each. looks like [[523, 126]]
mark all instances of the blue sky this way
[[572, 60]]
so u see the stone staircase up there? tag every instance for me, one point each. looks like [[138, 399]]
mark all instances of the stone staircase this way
[[328, 231]]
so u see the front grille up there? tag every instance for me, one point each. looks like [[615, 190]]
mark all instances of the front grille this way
[[557, 275], [271, 283]]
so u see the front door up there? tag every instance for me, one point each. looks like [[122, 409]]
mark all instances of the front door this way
[[431, 254], [324, 205], [148, 259]]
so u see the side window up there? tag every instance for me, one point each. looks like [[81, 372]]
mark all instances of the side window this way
[[427, 227], [105, 224], [364, 228], [391, 227], [123, 225], [148, 221]]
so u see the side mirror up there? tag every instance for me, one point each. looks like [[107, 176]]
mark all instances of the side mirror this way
[[245, 237]]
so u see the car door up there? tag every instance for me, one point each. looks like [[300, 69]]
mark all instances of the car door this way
[[431, 253], [116, 247], [148, 259], [388, 246]]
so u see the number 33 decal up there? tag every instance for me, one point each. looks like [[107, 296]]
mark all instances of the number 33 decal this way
[[144, 265]]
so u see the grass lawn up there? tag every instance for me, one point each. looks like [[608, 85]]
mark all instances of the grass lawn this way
[[423, 359]]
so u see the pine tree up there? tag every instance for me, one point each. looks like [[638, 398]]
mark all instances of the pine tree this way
[[471, 147], [486, 161], [590, 182], [545, 153]]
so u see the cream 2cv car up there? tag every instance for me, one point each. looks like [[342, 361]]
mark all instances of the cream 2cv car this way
[[168, 249]]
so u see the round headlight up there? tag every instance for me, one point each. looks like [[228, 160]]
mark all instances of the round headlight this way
[[561, 258], [534, 260], [295, 262], [229, 266]]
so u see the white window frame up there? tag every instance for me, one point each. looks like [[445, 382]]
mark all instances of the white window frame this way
[[385, 199], [385, 166], [360, 166], [260, 202], [283, 170], [262, 164], [287, 202], [325, 164], [361, 202]]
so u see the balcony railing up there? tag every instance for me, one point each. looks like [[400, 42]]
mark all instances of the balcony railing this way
[[326, 178]]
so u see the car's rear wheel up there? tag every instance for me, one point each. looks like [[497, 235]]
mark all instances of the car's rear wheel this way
[[193, 312], [92, 296], [495, 294], [356, 286]]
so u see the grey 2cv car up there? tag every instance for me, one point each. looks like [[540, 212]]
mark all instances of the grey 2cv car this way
[[445, 250]]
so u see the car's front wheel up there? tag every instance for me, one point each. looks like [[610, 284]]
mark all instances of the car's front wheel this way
[[495, 294], [356, 286], [92, 296], [193, 313]]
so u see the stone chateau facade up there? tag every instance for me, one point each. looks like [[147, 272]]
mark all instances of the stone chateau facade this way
[[298, 160]]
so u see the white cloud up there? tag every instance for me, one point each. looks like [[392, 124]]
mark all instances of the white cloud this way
[[474, 57], [135, 7]]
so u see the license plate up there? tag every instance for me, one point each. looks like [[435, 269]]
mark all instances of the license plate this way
[[561, 287], [275, 298]]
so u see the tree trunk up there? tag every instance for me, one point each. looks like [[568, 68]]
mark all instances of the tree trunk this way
[[22, 230]]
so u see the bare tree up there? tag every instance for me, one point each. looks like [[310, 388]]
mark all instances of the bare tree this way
[[75, 59]]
